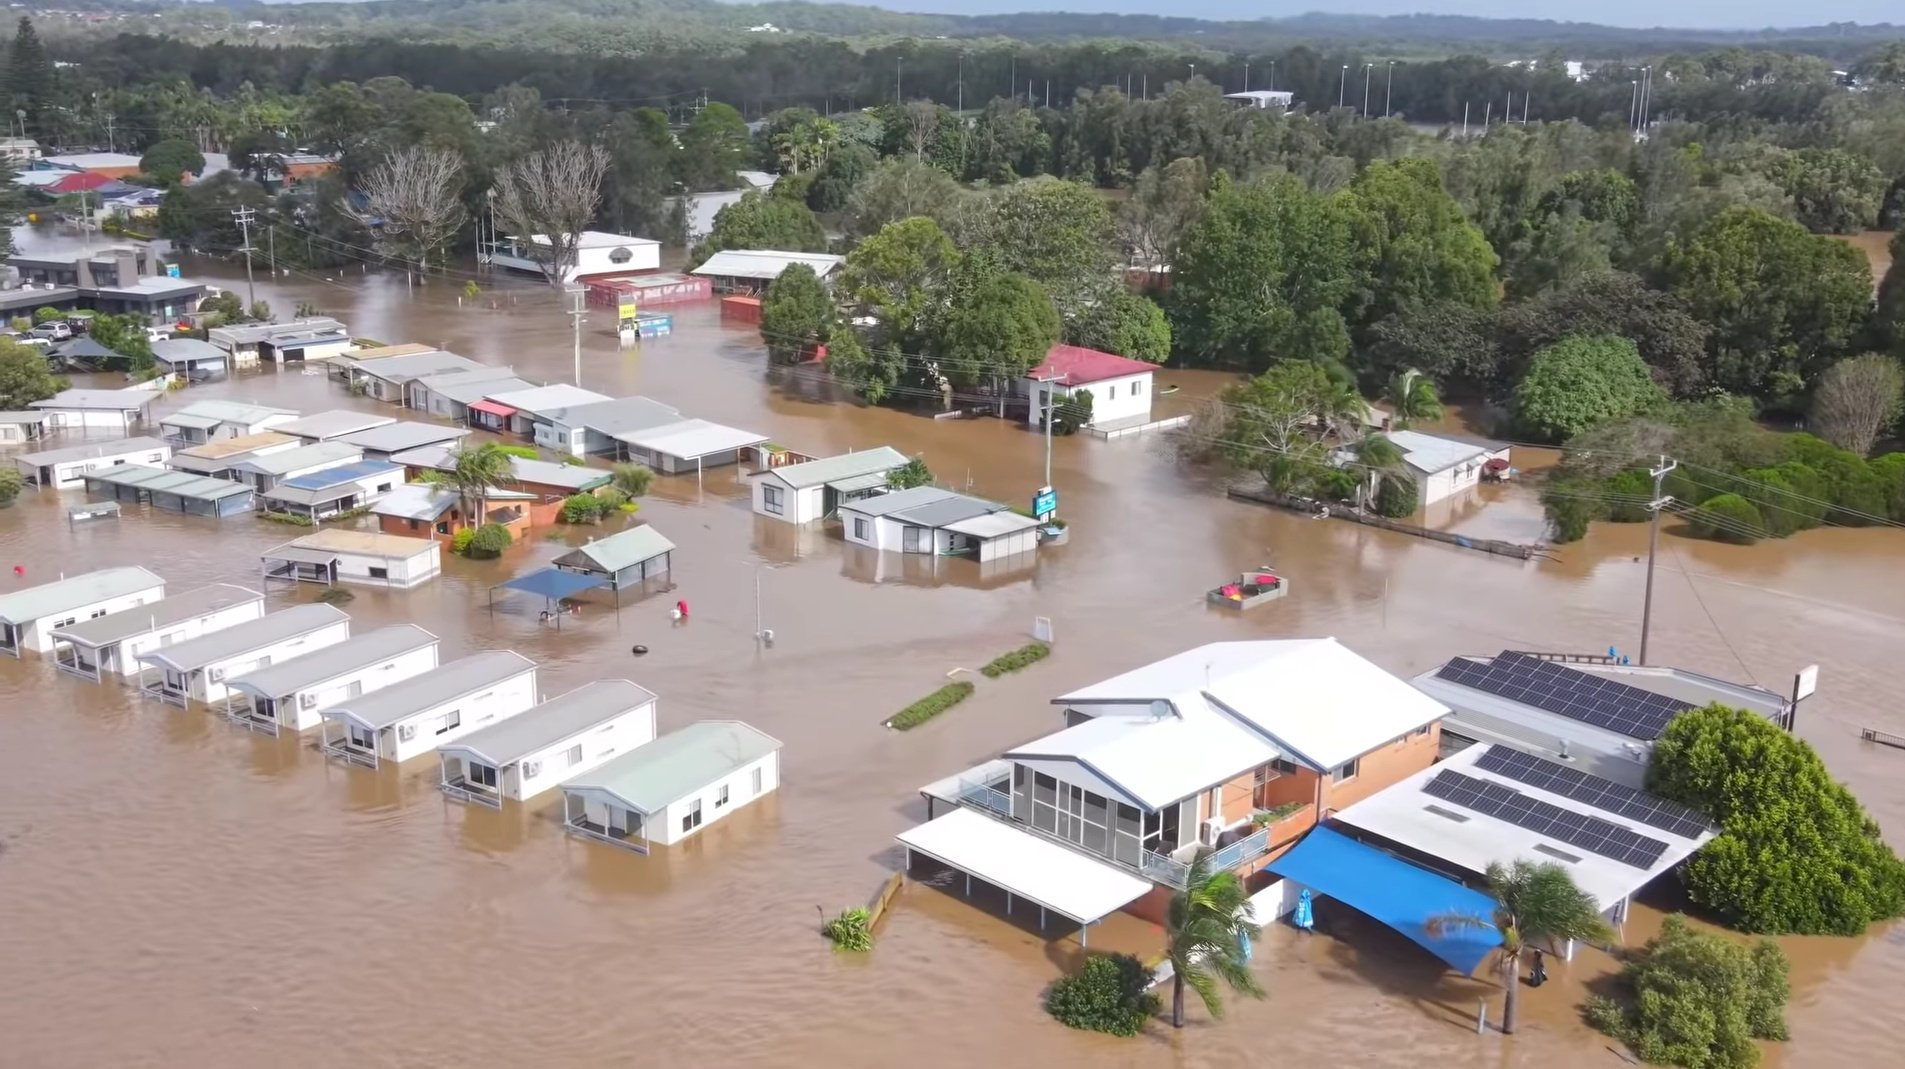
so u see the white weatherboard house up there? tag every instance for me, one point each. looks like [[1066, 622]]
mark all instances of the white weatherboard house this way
[[312, 338], [66, 469], [96, 409], [322, 494], [592, 427], [624, 560], [449, 395], [334, 423], [803, 493], [388, 378], [367, 557], [1120, 387], [597, 252], [532, 413], [198, 669], [926, 519], [29, 617], [440, 706], [294, 694], [750, 270], [380, 443], [556, 741], [1444, 467], [22, 426], [207, 421], [671, 788], [218, 459], [111, 645], [688, 445]]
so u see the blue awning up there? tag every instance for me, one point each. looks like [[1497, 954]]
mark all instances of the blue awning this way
[[553, 583], [1394, 892]]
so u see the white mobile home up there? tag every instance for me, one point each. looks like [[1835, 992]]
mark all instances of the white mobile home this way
[[111, 645], [66, 469], [335, 423], [381, 443], [926, 519], [556, 741], [426, 711], [592, 428], [596, 252], [389, 378], [197, 669], [624, 560], [688, 445], [209, 421], [803, 493], [29, 617], [367, 557], [217, 459], [313, 338], [671, 788], [320, 495], [449, 395], [1443, 467], [533, 412], [266, 471], [97, 410], [22, 426], [294, 694]]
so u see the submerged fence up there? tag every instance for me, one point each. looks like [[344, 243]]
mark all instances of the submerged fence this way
[[1491, 546]]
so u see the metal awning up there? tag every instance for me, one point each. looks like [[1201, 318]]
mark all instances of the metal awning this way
[[1041, 872], [186, 419], [295, 555], [492, 408], [553, 583], [872, 480]]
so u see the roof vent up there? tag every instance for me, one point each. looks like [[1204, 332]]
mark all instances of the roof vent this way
[[1565, 755], [1561, 854], [1447, 814]]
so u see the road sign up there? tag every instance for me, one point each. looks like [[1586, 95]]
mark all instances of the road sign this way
[[1044, 502]]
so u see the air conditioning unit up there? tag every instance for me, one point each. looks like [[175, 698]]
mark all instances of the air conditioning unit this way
[[1208, 832]]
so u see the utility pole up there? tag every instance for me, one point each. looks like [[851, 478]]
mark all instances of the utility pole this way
[[577, 314], [1465, 120], [271, 246], [1342, 81], [245, 217], [1050, 407], [1246, 76], [1366, 69], [962, 85], [1633, 106], [899, 66], [1660, 501], [1273, 76], [1389, 89]]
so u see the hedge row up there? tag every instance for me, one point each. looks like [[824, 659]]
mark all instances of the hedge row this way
[[930, 706], [1028, 654]]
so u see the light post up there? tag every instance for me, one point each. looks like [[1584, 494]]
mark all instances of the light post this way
[[1389, 89], [1246, 76], [1273, 76], [1342, 82], [1366, 69]]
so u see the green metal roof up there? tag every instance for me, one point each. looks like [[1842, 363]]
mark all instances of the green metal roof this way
[[165, 481], [618, 551], [678, 764]]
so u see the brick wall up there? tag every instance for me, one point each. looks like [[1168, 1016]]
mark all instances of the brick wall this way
[[1385, 766]]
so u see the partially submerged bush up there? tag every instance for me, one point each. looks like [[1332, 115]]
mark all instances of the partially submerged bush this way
[[1111, 994], [1697, 1000], [1728, 518], [1028, 654], [489, 541], [850, 930], [460, 541], [931, 705]]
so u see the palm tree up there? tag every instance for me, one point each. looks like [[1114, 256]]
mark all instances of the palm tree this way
[[1534, 903], [473, 473], [1204, 932], [1381, 462], [1414, 397]]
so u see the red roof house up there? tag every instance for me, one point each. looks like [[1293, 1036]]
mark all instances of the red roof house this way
[[1120, 387], [1075, 365], [80, 182]]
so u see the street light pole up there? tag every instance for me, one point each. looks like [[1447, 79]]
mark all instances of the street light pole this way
[[1341, 82], [1246, 76], [1389, 89], [1366, 69], [1659, 503]]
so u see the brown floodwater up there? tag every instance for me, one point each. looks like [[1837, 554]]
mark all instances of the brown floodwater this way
[[1877, 247], [177, 892]]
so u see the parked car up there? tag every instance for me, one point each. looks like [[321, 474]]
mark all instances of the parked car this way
[[57, 330]]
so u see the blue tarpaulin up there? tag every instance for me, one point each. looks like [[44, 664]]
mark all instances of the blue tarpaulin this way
[[1394, 892], [553, 583]]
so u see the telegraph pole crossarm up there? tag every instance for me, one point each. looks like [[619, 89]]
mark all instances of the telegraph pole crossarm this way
[[245, 217]]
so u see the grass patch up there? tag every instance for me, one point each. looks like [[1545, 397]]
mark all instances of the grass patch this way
[[291, 518], [930, 706], [1264, 817], [1029, 654]]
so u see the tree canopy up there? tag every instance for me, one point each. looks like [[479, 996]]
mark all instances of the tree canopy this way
[[761, 222], [1695, 999], [1579, 382], [795, 314]]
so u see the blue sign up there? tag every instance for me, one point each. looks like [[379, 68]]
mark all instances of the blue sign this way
[[171, 270], [1044, 502]]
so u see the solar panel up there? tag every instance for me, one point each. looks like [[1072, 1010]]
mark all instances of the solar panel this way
[[1590, 833], [1570, 692], [1604, 794]]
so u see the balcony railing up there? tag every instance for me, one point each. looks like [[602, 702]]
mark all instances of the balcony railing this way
[[985, 796], [1169, 870]]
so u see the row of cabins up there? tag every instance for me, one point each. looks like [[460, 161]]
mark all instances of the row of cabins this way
[[386, 696], [1300, 765]]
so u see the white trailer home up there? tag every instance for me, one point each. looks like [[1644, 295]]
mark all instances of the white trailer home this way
[[268, 470], [199, 669], [366, 557], [209, 421], [423, 712], [558, 740], [803, 493], [671, 788], [29, 617], [66, 469], [294, 694], [96, 410], [928, 520], [333, 423], [111, 645]]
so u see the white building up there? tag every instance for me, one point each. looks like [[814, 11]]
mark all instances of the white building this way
[[111, 645], [115, 410], [687, 445], [197, 669], [585, 428], [187, 360], [206, 421], [440, 706], [556, 741], [266, 470], [449, 395], [1264, 98], [388, 378], [1443, 467], [218, 459], [533, 412], [29, 617], [927, 519], [67, 468], [380, 443], [295, 342], [323, 494], [292, 695], [365, 557], [803, 493], [21, 426], [335, 423], [750, 270], [596, 253], [1120, 388], [673, 787]]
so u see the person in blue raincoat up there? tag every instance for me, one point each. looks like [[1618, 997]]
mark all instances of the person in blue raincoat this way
[[1305, 915]]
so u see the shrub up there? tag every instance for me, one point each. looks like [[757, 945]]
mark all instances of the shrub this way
[[1848, 482], [1728, 518], [632, 479], [1625, 485], [1396, 498], [10, 484], [930, 706], [1568, 515], [337, 595], [1890, 470], [1028, 654], [460, 541], [849, 930], [1111, 994], [1796, 852], [21, 323], [1072, 413], [526, 452], [47, 315], [291, 518], [910, 474], [582, 508], [612, 499], [1697, 1000], [489, 541], [1335, 484]]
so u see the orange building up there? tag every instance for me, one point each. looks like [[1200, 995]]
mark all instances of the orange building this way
[[530, 502]]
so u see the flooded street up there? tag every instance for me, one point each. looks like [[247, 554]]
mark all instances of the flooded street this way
[[174, 885]]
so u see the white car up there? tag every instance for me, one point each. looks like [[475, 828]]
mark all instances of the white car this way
[[57, 330]]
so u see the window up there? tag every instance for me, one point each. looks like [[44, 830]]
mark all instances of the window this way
[[692, 818], [415, 524], [1419, 732], [757, 781], [451, 719], [771, 499], [1137, 387], [574, 756], [1288, 768], [379, 573], [862, 530], [1345, 771], [482, 774], [1111, 393], [383, 488], [721, 796], [443, 528], [363, 738]]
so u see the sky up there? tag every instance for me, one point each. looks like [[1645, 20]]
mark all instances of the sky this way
[[1695, 14]]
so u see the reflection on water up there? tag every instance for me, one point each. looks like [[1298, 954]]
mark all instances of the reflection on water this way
[[132, 831]]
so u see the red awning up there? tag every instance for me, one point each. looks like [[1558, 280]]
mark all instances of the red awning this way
[[1497, 464], [492, 408]]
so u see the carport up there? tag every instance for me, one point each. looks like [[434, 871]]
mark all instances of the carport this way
[[555, 586]]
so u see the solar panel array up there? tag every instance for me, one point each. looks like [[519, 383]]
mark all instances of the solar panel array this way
[[1592, 834], [1569, 692], [1603, 794]]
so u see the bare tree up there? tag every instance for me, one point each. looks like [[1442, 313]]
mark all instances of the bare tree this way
[[412, 204], [1856, 401], [548, 198], [1162, 206], [922, 122]]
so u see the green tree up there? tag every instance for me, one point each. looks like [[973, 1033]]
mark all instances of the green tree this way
[[1856, 401], [1073, 412], [1667, 336], [896, 277], [1697, 1000], [473, 472], [29, 80], [1163, 204], [125, 335], [1888, 314], [1534, 904], [713, 147], [1579, 382], [11, 483], [839, 175], [1413, 397], [1446, 342], [901, 189], [24, 377], [1796, 852], [632, 479], [640, 176], [760, 222], [489, 541], [1385, 484], [1779, 302], [910, 474], [1111, 993], [997, 334], [1205, 927], [795, 313], [1059, 235], [1261, 277], [1412, 244], [1728, 518], [1126, 324], [1270, 425], [1834, 191], [169, 161], [1583, 226]]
